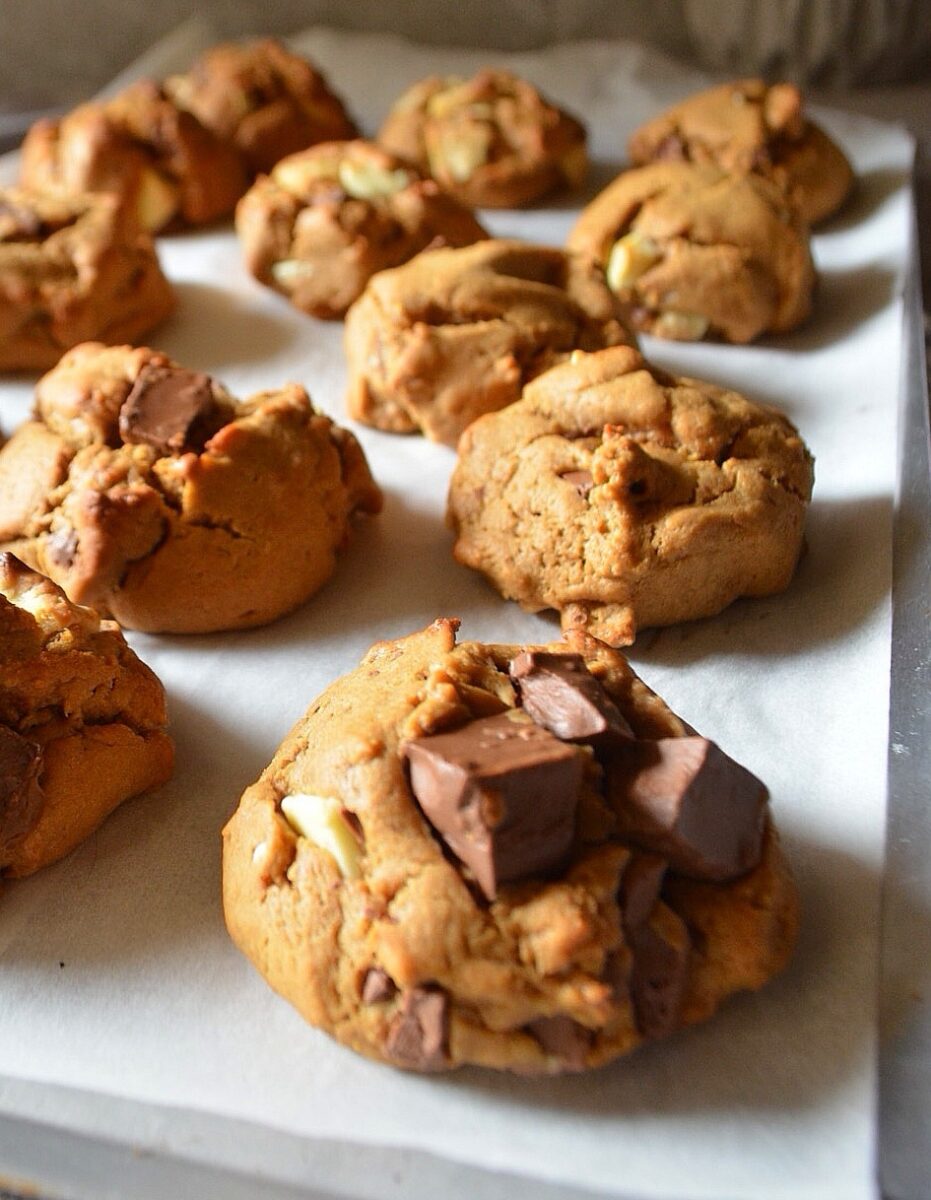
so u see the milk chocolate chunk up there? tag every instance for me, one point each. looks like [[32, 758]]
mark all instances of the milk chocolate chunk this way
[[564, 1039], [169, 408], [377, 986], [582, 481], [418, 1035], [502, 793], [640, 887], [659, 972], [685, 799], [561, 694], [20, 795]]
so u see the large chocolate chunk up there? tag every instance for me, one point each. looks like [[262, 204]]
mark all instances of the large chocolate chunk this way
[[685, 799], [561, 694], [418, 1035], [502, 793], [169, 408], [20, 795], [640, 887], [563, 1038], [659, 972]]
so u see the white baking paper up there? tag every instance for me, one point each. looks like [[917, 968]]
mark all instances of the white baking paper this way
[[116, 975]]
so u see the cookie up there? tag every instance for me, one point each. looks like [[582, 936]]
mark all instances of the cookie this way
[[626, 498], [493, 140], [324, 221], [750, 126], [262, 99], [454, 334], [73, 268], [147, 491], [512, 857], [158, 158], [694, 252], [82, 722]]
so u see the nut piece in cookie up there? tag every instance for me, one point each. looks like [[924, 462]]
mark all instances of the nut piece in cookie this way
[[493, 140], [454, 334], [324, 221], [82, 721], [499, 911], [161, 162], [146, 490], [697, 497], [694, 252], [73, 267], [262, 99], [747, 126]]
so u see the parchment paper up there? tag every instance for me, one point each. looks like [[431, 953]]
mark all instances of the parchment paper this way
[[116, 975]]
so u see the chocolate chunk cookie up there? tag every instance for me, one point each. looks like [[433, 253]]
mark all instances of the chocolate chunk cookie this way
[[625, 498], [750, 126], [493, 140], [697, 253], [325, 220], [158, 158], [82, 721], [262, 99], [146, 490], [73, 268], [438, 872], [456, 333]]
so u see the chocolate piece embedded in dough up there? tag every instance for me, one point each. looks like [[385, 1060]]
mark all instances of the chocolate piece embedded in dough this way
[[640, 888], [377, 986], [685, 799], [582, 481], [659, 972], [21, 797], [419, 1033], [564, 1039], [168, 408], [502, 792], [560, 693]]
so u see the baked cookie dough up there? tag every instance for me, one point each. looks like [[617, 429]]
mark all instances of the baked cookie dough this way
[[73, 268], [626, 498], [82, 721], [454, 334], [158, 158], [493, 140], [694, 252], [262, 99], [513, 857], [324, 221], [750, 126], [147, 491]]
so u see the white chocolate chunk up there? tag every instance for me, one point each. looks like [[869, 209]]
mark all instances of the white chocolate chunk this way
[[320, 819], [156, 200], [461, 155], [290, 271], [296, 174], [681, 327], [365, 181], [630, 257]]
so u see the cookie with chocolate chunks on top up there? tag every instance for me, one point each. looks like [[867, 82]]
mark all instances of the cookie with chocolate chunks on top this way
[[363, 872], [147, 490]]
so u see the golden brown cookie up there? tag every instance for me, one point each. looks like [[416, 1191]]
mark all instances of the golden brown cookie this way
[[158, 158], [456, 333], [750, 126], [696, 253], [262, 99], [82, 721], [324, 221], [146, 490], [493, 140], [73, 268], [625, 498], [513, 857]]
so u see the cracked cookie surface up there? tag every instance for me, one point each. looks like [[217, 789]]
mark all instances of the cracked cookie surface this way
[[148, 491], [345, 892], [492, 140], [262, 99], [750, 126], [694, 252], [73, 268], [82, 721], [156, 157], [626, 498], [324, 221], [454, 334]]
